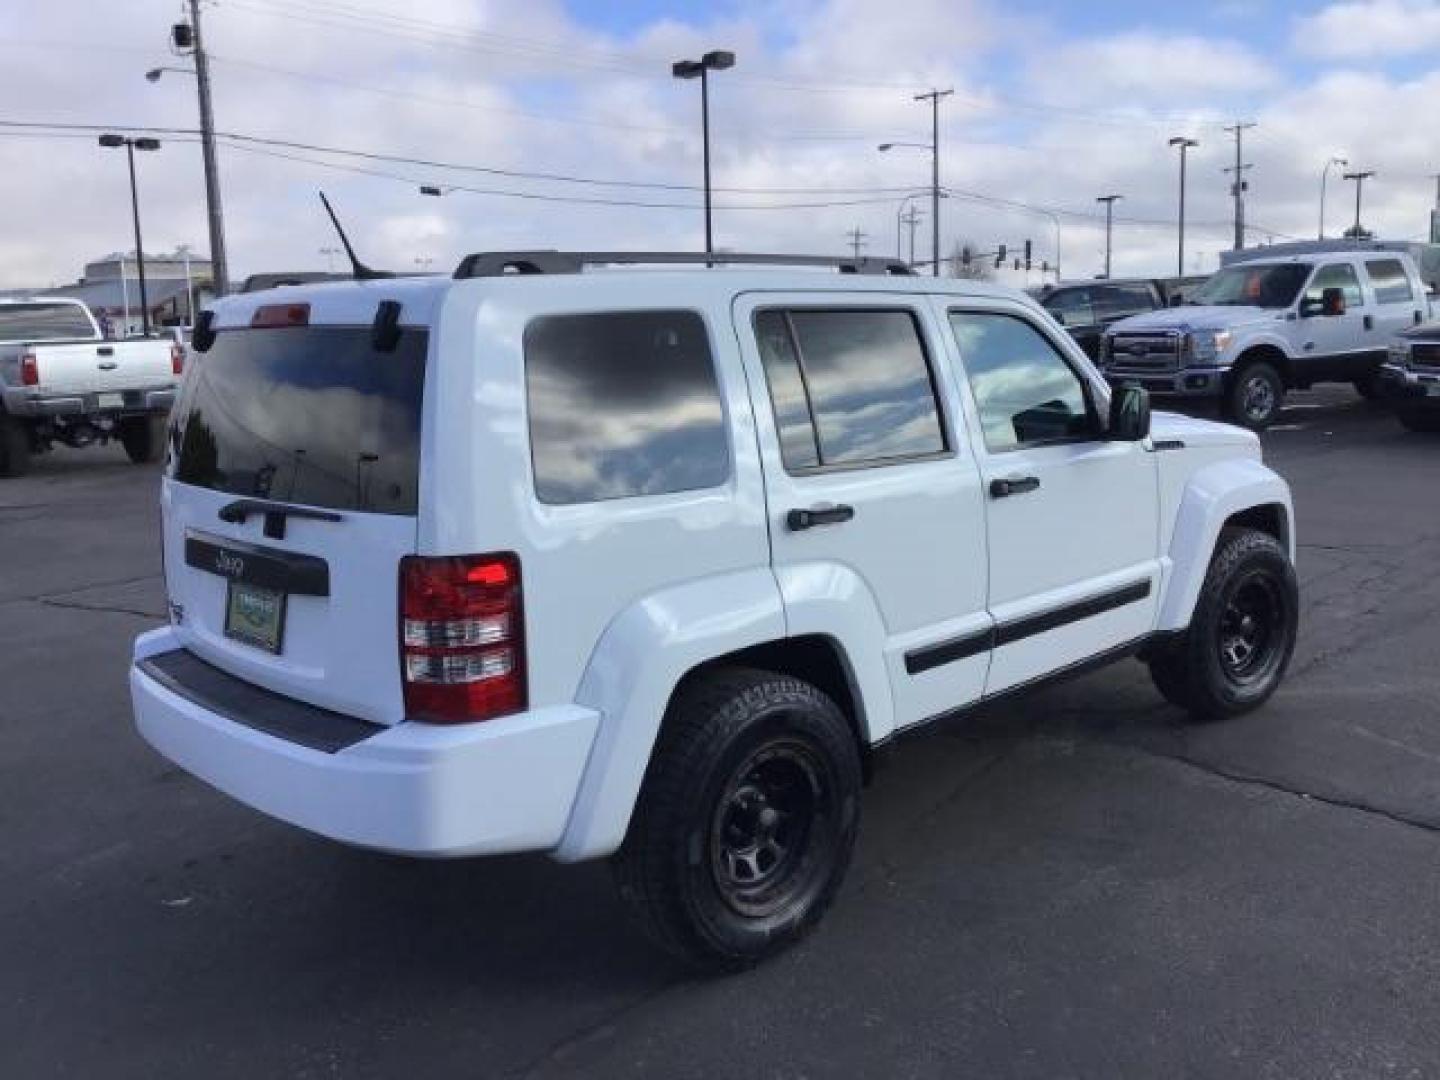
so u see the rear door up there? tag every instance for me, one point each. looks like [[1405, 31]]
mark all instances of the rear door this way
[[872, 492], [1398, 301], [290, 498]]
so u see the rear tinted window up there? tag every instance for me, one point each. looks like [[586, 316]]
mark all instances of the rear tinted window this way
[[43, 322], [313, 416], [623, 403]]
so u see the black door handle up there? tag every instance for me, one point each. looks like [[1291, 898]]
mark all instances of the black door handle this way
[[818, 515], [1369, 322], [1000, 489]]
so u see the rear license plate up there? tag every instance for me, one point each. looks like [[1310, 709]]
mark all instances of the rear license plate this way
[[109, 401], [255, 615]]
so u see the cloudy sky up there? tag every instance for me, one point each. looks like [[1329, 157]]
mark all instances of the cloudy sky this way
[[1054, 103]]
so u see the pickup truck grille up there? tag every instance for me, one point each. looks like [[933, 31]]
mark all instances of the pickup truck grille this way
[[1425, 355], [1144, 354]]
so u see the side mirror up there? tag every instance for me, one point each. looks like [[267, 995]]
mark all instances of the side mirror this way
[[1129, 413], [1176, 300], [1332, 302]]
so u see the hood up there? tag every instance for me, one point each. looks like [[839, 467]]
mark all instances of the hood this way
[[1215, 317], [1196, 432]]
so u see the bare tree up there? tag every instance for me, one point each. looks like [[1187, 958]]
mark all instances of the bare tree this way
[[976, 267]]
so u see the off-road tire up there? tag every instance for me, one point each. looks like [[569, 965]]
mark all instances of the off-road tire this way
[[1425, 421], [1368, 387], [14, 447], [143, 438], [1198, 672], [1255, 396], [676, 868]]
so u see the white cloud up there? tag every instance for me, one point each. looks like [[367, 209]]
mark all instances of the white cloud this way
[[1365, 29]]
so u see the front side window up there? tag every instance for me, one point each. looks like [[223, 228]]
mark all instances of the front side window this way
[[1121, 301], [1391, 283], [1025, 391], [1071, 307], [1335, 276], [623, 403], [849, 387]]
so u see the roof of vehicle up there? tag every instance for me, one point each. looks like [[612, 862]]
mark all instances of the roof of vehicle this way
[[354, 301], [41, 300]]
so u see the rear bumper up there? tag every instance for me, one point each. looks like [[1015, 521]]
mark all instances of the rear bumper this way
[[1186, 382], [34, 403], [413, 789]]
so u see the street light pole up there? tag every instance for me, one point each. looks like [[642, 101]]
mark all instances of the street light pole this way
[[1185, 145], [1359, 178], [689, 69], [1109, 201], [131, 145], [934, 96], [1324, 174]]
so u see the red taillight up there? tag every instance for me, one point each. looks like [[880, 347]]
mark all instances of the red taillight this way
[[29, 370], [462, 641], [177, 359], [274, 315]]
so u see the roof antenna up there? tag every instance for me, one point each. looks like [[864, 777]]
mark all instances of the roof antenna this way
[[359, 271]]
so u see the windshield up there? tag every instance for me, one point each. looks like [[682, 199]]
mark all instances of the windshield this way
[[1274, 286], [314, 416], [44, 322]]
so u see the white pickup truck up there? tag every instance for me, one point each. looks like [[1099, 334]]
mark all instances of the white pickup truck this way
[[62, 381], [1259, 328]]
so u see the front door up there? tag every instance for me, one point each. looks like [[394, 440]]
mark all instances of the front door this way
[[1072, 518], [1332, 346], [877, 521]]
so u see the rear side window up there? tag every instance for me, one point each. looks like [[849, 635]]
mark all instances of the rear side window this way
[[1392, 284], [849, 387], [309, 415], [43, 322], [623, 403]]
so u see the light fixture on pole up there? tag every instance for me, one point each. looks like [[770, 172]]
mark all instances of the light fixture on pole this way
[[112, 142], [1109, 201], [1185, 146], [932, 96], [715, 60], [1359, 178], [1324, 175]]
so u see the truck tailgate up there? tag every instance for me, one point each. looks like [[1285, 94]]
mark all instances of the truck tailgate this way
[[103, 365]]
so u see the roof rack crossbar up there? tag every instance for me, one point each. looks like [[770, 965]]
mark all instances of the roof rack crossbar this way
[[497, 263]]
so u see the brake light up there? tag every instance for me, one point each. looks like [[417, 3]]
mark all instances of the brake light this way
[[177, 359], [29, 370], [271, 316], [462, 647]]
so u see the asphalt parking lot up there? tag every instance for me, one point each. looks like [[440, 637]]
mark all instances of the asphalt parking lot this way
[[1076, 886]]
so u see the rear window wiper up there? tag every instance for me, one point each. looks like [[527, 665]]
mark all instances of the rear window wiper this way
[[239, 511]]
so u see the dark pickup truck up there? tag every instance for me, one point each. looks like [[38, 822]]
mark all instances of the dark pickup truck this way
[[1086, 308], [1410, 377]]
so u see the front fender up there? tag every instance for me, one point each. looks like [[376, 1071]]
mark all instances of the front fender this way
[[1213, 494], [643, 654]]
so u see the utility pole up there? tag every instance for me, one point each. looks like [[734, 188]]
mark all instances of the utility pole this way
[[934, 96], [1109, 201], [1185, 145], [857, 240], [1359, 178], [1435, 213], [912, 218], [1239, 187], [219, 265]]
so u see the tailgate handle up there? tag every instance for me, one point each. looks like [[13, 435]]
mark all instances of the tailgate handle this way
[[107, 365], [239, 511]]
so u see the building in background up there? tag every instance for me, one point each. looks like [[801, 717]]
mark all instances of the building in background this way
[[110, 286]]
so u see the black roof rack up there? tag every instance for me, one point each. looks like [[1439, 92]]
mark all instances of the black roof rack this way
[[497, 263]]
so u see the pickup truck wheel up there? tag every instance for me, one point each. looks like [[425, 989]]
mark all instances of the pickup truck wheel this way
[[1256, 395], [746, 820], [1368, 387], [143, 438], [1242, 633], [1427, 421], [14, 447]]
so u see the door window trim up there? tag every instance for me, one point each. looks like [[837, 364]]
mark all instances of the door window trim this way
[[947, 440], [1087, 387]]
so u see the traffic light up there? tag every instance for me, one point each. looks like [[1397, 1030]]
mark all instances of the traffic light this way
[[1027, 256], [999, 256]]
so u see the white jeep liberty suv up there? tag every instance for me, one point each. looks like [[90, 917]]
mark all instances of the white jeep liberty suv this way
[[567, 555]]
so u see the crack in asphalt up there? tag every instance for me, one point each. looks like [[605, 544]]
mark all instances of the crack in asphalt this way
[[1269, 784], [559, 1050], [107, 608]]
